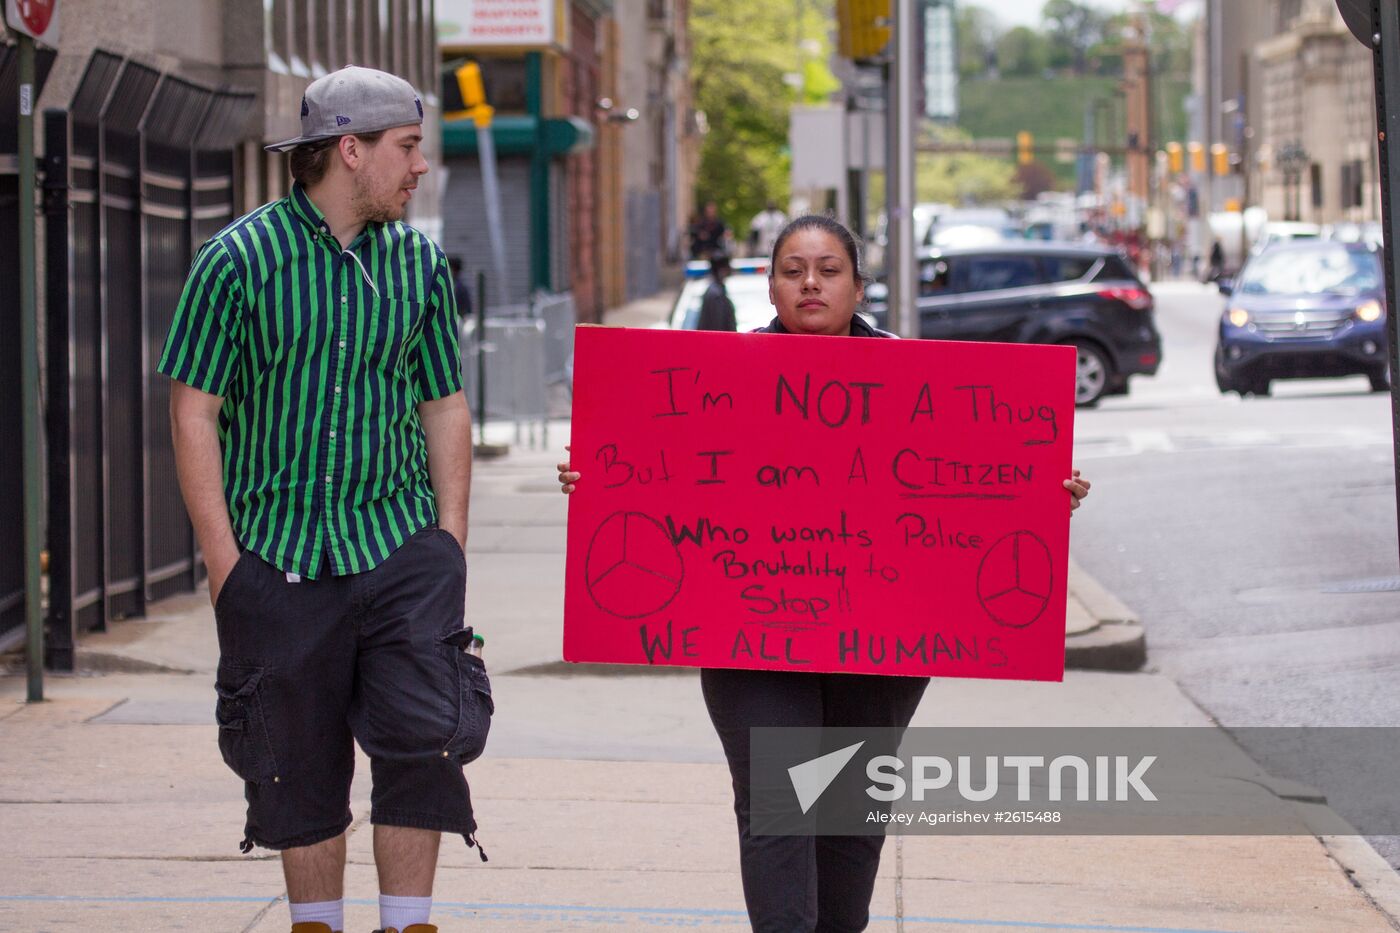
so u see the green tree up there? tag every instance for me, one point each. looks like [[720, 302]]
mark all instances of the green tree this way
[[1022, 53], [1073, 29], [1166, 39], [962, 178], [977, 33], [742, 56]]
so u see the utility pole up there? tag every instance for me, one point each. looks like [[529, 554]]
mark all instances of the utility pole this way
[[1377, 26], [1213, 134], [900, 194], [1137, 110], [470, 101], [29, 379]]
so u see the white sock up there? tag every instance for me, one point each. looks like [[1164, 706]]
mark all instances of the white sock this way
[[400, 912], [331, 913]]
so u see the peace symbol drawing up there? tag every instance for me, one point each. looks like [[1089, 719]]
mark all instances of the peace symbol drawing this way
[[1015, 579], [633, 569]]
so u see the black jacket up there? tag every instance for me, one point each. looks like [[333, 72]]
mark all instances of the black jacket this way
[[716, 310], [859, 328]]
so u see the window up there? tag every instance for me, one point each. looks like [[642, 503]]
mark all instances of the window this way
[[1068, 268], [1315, 183], [986, 273], [1114, 268], [1353, 183]]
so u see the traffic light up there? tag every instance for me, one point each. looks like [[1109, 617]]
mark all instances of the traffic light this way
[[1220, 159], [1025, 154], [862, 28], [464, 95], [1198, 157], [1175, 163]]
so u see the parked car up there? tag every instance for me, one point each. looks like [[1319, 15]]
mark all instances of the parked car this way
[[1302, 310], [971, 226], [1039, 292], [1369, 232], [1276, 232]]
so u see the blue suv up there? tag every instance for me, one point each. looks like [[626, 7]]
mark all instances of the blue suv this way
[[1302, 310]]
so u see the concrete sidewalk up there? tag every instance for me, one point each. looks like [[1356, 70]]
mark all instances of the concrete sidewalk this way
[[603, 800]]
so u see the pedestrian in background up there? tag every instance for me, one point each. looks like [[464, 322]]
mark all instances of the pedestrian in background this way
[[764, 229], [708, 235], [1216, 267], [802, 884], [716, 308], [323, 447], [461, 286]]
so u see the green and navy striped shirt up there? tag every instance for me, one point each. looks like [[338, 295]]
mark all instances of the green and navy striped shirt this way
[[322, 356]]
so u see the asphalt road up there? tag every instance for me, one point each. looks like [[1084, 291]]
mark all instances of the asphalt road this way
[[1256, 538]]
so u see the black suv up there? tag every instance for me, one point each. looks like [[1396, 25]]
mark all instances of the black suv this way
[[1038, 292]]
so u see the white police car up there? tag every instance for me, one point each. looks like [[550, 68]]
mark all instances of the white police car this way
[[747, 286]]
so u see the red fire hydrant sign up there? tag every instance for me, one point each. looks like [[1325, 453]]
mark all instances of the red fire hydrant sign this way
[[787, 502]]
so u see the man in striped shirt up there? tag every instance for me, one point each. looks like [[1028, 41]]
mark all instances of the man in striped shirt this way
[[323, 446]]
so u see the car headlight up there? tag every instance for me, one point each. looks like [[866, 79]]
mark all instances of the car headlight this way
[[1239, 317], [1369, 311]]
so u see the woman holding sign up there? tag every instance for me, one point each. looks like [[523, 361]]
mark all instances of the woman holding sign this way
[[808, 883]]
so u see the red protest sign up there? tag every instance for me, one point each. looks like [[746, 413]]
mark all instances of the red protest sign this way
[[819, 503]]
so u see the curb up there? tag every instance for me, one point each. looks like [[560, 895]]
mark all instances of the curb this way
[[1368, 872], [1115, 641]]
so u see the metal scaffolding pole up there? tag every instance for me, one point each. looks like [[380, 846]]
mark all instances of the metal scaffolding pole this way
[[29, 378], [903, 318]]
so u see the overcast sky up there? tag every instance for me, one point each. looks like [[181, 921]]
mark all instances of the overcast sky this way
[[1027, 12]]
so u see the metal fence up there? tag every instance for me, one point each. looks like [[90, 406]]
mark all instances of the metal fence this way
[[559, 316], [525, 359], [11, 427], [148, 165], [514, 359]]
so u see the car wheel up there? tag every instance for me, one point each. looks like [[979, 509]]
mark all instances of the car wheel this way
[[1260, 387], [1091, 375], [1223, 382], [1380, 380]]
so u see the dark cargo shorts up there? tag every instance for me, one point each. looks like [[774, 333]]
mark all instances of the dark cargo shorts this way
[[306, 669]]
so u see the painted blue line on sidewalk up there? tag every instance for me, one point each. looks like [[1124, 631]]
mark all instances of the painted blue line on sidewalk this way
[[602, 913]]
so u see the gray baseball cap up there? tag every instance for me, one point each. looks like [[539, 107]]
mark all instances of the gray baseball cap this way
[[354, 100]]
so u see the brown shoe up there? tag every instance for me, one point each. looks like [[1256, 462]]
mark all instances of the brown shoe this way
[[312, 928]]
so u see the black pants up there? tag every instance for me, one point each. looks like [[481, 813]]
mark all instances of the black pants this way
[[306, 669], [803, 884]]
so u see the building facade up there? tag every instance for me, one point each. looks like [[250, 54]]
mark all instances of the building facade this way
[[1313, 152], [596, 150], [650, 147], [151, 119], [269, 48]]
